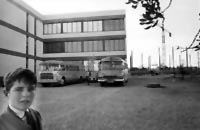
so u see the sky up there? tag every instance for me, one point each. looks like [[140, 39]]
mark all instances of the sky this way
[[182, 20]]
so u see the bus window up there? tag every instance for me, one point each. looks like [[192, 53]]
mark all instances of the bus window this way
[[107, 65]]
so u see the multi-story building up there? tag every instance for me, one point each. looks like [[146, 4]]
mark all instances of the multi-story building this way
[[27, 37]]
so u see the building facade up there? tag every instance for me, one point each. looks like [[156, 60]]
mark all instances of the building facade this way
[[27, 37]]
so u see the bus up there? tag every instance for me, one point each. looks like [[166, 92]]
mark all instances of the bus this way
[[111, 70], [60, 72]]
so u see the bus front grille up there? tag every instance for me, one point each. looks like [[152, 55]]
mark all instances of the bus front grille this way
[[46, 76]]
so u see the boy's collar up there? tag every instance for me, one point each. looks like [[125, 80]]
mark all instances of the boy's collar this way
[[19, 113]]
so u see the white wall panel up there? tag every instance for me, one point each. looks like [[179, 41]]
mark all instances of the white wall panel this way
[[39, 48], [9, 63], [12, 40], [31, 64], [37, 66], [39, 28], [30, 46], [31, 24], [12, 14]]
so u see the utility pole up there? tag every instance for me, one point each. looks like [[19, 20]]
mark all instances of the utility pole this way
[[169, 61], [159, 57], [163, 45], [190, 60], [198, 59], [149, 62], [186, 54], [142, 59], [131, 59], [173, 57]]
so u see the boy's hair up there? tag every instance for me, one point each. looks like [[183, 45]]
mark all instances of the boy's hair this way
[[18, 75]]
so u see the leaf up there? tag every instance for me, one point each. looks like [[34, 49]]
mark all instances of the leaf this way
[[149, 22], [143, 20], [147, 27], [142, 23], [155, 23]]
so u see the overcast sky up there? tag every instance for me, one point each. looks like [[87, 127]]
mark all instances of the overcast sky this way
[[182, 20]]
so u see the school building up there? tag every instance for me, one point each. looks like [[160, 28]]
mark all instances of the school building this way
[[28, 37]]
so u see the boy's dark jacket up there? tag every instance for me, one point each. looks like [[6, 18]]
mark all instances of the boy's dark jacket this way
[[10, 121]]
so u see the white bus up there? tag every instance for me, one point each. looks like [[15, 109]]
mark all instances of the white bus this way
[[111, 70], [60, 72]]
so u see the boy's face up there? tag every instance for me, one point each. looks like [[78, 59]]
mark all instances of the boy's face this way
[[21, 95]]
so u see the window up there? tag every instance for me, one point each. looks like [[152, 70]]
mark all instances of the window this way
[[69, 27], [45, 29], [92, 26], [49, 30], [58, 28], [71, 47], [53, 47], [115, 45], [52, 28], [114, 25], [72, 27]]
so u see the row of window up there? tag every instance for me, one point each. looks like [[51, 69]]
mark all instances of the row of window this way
[[86, 26], [84, 46], [69, 68]]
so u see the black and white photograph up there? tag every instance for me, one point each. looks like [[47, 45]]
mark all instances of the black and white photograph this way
[[99, 65]]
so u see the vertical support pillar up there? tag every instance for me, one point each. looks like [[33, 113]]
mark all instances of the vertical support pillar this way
[[159, 62], [61, 26], [142, 60], [27, 37], [173, 57], [35, 46], [163, 45], [198, 59], [186, 54]]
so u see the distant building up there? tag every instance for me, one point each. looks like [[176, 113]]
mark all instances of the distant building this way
[[27, 37]]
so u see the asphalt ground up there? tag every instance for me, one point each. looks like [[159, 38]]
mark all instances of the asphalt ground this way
[[172, 106]]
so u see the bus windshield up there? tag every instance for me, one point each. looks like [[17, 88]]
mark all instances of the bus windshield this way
[[50, 67], [111, 65]]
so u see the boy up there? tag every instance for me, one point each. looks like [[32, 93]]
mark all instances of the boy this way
[[19, 88]]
